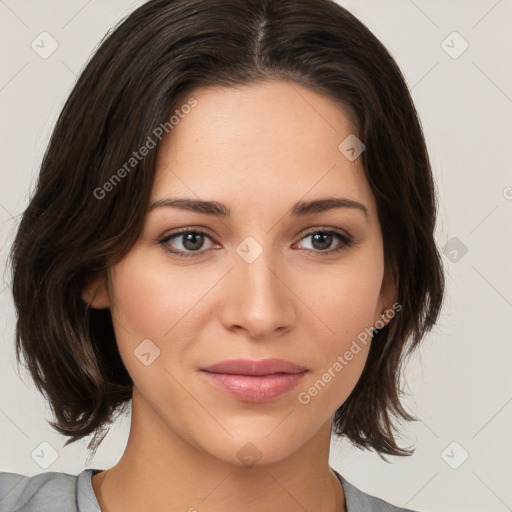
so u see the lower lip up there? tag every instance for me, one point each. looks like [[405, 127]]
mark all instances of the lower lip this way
[[248, 388]]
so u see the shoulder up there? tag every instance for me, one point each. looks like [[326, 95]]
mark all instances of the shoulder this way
[[39, 493], [358, 501]]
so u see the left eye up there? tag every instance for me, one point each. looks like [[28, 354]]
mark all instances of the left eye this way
[[321, 241]]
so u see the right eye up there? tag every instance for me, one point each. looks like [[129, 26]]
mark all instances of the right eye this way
[[191, 242]]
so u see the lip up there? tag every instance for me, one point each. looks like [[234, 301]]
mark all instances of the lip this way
[[255, 368], [255, 381]]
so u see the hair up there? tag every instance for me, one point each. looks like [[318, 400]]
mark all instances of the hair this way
[[72, 230]]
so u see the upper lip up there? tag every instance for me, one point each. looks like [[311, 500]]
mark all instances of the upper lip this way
[[249, 367]]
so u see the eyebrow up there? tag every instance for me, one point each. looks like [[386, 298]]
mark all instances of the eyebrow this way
[[300, 209]]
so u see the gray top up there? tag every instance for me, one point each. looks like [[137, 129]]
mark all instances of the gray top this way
[[61, 492]]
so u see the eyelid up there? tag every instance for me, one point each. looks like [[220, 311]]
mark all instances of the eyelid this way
[[323, 229]]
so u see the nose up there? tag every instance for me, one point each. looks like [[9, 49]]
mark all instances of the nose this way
[[258, 299]]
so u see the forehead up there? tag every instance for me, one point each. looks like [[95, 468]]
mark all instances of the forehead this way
[[260, 143]]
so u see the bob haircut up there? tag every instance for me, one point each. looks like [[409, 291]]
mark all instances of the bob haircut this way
[[79, 221]]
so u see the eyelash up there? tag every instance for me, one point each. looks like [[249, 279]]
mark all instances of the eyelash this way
[[345, 239]]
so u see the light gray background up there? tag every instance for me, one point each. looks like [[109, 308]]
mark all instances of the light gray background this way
[[460, 383]]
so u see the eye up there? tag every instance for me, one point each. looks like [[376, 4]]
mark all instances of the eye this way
[[322, 240], [189, 242]]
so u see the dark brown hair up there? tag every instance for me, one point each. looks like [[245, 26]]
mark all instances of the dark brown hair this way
[[137, 77]]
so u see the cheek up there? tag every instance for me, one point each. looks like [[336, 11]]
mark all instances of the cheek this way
[[149, 300], [154, 300], [346, 302], [144, 308], [345, 298], [137, 303]]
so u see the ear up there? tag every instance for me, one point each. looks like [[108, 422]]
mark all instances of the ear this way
[[387, 298], [95, 293]]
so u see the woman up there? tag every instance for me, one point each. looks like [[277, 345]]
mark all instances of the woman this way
[[232, 232]]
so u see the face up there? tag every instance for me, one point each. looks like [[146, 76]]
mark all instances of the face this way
[[257, 276]]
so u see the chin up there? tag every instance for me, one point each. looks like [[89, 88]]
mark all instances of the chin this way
[[255, 446], [248, 454]]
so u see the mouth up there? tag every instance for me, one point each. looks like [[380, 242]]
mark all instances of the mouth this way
[[255, 381]]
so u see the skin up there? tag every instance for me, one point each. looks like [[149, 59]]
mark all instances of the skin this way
[[258, 149]]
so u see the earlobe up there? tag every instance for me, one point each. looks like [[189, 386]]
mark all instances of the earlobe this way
[[95, 294], [380, 322]]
